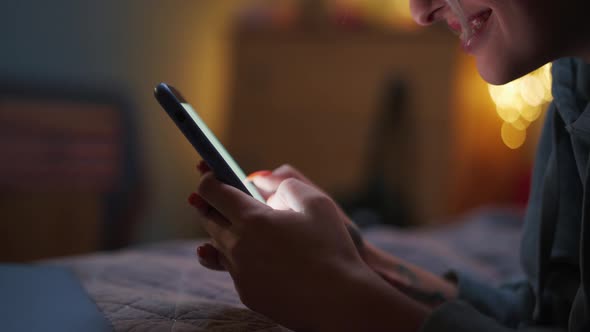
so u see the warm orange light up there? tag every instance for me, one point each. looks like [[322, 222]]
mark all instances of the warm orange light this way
[[395, 13], [512, 136], [521, 102]]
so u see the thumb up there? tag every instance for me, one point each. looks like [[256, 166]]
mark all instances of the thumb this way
[[302, 197], [269, 181], [267, 184]]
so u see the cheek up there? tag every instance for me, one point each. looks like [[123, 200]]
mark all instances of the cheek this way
[[503, 65], [494, 59], [512, 50]]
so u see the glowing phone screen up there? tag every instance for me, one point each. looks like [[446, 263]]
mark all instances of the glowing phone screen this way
[[223, 152]]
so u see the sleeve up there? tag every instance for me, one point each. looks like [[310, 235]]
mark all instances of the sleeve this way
[[457, 316], [484, 308], [509, 304]]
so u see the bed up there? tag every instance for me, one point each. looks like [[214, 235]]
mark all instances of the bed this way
[[163, 288]]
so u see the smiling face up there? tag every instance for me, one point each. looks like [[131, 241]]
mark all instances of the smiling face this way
[[510, 38]]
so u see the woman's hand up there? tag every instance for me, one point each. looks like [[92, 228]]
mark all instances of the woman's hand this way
[[419, 284], [413, 281], [267, 183], [298, 264]]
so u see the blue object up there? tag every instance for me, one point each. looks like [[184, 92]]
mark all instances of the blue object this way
[[34, 298]]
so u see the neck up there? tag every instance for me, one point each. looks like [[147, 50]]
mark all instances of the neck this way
[[585, 38], [582, 48], [585, 55], [575, 31]]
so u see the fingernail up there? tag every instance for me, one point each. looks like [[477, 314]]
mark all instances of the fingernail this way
[[205, 251], [203, 167], [201, 251], [199, 203], [258, 174], [192, 199]]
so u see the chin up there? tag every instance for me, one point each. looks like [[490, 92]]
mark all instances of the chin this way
[[495, 76], [501, 68], [500, 72]]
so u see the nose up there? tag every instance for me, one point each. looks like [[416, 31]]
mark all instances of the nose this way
[[425, 12]]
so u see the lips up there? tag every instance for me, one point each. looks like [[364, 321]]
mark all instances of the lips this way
[[476, 23]]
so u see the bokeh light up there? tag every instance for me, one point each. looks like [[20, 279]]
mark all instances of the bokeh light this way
[[521, 102], [393, 13], [513, 137]]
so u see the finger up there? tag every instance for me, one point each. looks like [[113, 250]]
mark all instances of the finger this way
[[219, 229], [270, 181], [210, 216], [287, 171], [302, 197], [222, 259], [258, 174], [199, 203], [203, 167], [267, 183], [266, 194], [222, 263], [356, 236], [209, 257], [206, 210], [227, 200], [275, 202]]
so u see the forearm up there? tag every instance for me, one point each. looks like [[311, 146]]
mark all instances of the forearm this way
[[367, 303], [411, 280]]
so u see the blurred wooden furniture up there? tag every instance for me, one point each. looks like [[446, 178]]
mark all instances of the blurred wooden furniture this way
[[68, 172], [309, 98]]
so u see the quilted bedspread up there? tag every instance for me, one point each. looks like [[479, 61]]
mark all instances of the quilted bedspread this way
[[163, 288]]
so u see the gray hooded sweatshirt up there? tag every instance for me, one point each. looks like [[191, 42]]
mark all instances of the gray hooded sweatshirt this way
[[555, 249]]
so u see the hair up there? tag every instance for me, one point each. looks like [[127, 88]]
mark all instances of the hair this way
[[457, 9]]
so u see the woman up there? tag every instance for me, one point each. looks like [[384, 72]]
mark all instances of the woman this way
[[294, 260]]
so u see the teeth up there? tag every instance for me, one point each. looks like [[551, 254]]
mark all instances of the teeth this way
[[468, 27], [473, 27], [476, 24]]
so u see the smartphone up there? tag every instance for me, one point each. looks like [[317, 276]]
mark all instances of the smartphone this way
[[203, 140]]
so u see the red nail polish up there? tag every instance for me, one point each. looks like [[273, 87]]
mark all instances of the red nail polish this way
[[202, 251], [203, 167], [199, 203], [192, 199], [258, 174], [206, 251]]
